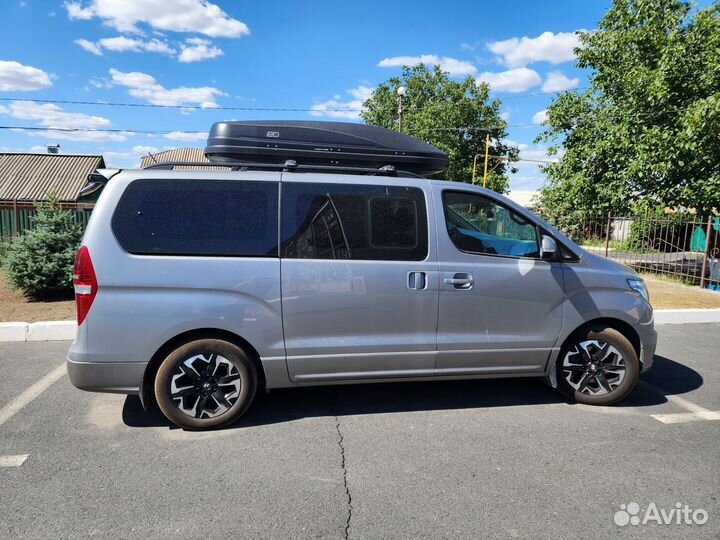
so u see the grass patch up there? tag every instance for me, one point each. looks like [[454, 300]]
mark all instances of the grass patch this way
[[672, 293]]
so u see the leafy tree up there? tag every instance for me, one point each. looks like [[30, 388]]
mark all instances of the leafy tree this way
[[647, 126], [40, 263], [453, 116]]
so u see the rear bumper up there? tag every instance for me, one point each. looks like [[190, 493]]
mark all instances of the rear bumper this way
[[113, 377]]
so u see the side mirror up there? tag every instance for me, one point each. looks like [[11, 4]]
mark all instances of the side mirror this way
[[548, 248]]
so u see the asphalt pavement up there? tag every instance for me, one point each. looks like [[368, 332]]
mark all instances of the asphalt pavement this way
[[468, 459]]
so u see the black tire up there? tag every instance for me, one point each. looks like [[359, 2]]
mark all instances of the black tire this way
[[195, 383], [588, 372]]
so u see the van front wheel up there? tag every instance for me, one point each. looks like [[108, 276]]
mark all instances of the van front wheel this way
[[597, 367], [204, 384]]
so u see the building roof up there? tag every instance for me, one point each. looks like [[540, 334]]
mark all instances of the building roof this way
[[196, 155], [32, 177]]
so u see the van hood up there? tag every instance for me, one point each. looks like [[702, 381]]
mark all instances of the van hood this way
[[608, 265]]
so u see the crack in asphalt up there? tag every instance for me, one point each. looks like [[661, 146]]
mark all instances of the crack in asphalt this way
[[341, 441]]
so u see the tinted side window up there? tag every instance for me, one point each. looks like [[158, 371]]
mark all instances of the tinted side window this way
[[477, 224], [346, 221], [198, 217]]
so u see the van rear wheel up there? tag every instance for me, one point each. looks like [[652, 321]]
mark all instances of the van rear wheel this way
[[205, 384], [597, 367]]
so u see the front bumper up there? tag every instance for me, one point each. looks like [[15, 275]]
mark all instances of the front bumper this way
[[648, 341], [113, 377]]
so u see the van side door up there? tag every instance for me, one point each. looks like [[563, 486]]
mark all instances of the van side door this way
[[501, 305], [359, 277]]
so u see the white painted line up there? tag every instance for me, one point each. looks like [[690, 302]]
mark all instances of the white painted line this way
[[679, 418], [13, 461], [9, 410], [687, 405], [695, 412]]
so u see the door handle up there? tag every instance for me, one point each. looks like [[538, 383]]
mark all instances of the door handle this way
[[460, 280], [417, 281]]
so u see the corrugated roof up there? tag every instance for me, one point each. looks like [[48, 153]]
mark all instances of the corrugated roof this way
[[196, 155], [32, 177]]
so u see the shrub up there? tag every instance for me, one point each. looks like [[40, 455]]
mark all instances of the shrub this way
[[40, 263]]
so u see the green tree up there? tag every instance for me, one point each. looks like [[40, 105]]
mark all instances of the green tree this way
[[648, 125], [453, 116], [40, 263]]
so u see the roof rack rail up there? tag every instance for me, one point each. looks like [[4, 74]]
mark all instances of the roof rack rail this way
[[289, 166]]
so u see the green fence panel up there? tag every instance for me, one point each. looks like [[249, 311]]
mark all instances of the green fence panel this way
[[25, 220]]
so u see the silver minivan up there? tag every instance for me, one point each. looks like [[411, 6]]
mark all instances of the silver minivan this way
[[195, 288]]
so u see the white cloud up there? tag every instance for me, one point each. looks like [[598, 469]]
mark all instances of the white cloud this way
[[84, 136], [547, 47], [186, 136], [89, 46], [129, 158], [558, 82], [452, 66], [537, 153], [198, 49], [540, 117], [16, 77], [125, 44], [505, 115], [513, 80], [54, 118], [145, 87], [350, 109], [198, 16]]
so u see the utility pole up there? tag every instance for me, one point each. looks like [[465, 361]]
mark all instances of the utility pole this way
[[400, 93], [487, 154]]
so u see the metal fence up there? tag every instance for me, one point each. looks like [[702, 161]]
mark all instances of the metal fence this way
[[16, 217], [683, 246]]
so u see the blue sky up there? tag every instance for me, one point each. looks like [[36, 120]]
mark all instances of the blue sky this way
[[308, 55]]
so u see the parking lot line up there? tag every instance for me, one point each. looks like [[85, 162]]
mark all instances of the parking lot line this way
[[7, 412], [679, 418], [13, 461], [694, 414]]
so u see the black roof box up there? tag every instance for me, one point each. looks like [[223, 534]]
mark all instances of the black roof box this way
[[340, 144]]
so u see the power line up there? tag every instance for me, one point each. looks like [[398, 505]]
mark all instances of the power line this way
[[179, 107], [194, 131], [222, 108]]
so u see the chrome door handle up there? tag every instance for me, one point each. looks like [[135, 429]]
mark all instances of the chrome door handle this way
[[460, 280], [417, 281]]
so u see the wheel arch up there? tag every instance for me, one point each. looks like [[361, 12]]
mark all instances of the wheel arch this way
[[621, 326], [147, 394], [625, 328]]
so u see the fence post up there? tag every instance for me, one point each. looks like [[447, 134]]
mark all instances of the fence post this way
[[16, 223], [705, 254], [607, 236]]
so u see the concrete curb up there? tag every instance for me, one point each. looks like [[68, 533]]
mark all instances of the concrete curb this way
[[686, 316], [65, 330], [39, 331]]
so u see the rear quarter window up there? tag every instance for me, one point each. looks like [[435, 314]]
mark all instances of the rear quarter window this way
[[198, 217]]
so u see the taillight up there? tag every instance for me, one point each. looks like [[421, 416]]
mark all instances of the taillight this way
[[84, 282]]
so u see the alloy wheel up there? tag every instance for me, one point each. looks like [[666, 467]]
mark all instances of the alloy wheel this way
[[205, 385], [594, 367]]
